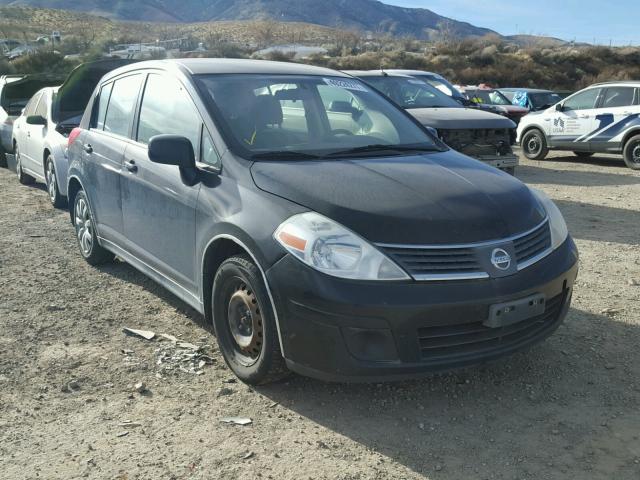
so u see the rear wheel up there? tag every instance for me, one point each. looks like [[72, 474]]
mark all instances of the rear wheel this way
[[534, 145], [86, 235], [23, 178], [583, 154], [632, 153], [57, 200], [245, 323]]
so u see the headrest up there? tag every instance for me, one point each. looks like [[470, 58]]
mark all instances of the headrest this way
[[267, 111]]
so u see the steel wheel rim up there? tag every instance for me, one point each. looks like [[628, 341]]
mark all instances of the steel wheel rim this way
[[635, 153], [245, 322], [84, 227], [534, 145], [51, 181]]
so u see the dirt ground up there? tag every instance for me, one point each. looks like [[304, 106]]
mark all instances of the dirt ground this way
[[567, 409]]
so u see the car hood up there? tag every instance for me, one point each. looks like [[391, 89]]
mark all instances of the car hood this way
[[74, 94], [435, 198], [460, 118]]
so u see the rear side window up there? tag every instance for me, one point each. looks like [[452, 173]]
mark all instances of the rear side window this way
[[618, 97], [168, 109], [122, 104], [103, 101]]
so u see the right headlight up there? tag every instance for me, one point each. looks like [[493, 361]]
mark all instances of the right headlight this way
[[558, 226], [330, 248]]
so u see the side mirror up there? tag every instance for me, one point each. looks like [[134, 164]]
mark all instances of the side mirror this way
[[36, 120], [559, 107], [172, 150]]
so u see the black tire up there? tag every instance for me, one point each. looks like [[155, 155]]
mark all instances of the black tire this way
[[86, 236], [239, 298], [3, 158], [534, 145], [23, 178], [631, 153], [51, 178], [583, 154]]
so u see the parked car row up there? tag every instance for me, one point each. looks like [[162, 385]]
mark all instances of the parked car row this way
[[319, 226]]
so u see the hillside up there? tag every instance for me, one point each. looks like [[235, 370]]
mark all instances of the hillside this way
[[364, 15]]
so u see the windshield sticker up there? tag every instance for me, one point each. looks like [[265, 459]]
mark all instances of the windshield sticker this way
[[346, 84]]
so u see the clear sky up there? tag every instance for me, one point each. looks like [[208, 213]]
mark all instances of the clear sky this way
[[604, 21]]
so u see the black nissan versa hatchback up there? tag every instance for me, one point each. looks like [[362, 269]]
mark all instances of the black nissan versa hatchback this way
[[317, 225]]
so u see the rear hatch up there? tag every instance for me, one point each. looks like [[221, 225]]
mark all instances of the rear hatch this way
[[19, 89], [74, 94]]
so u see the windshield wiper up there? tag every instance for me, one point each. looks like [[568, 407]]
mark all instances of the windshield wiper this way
[[383, 148], [284, 155]]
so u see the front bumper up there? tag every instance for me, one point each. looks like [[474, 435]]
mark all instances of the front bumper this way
[[502, 161], [342, 330]]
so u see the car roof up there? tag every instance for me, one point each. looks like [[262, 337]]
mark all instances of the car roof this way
[[200, 66], [412, 72], [621, 83], [528, 90]]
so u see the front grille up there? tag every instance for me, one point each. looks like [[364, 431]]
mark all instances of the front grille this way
[[463, 262], [444, 342], [532, 245], [434, 262]]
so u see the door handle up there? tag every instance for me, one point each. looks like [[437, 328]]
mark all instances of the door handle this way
[[131, 166], [28, 134], [584, 116], [88, 148]]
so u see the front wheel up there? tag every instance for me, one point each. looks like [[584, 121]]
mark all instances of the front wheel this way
[[632, 153], [23, 178], [57, 200], [245, 323], [86, 235], [534, 145]]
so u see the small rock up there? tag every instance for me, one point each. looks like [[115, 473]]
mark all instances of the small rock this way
[[438, 468], [248, 455], [237, 420], [555, 432], [610, 366], [122, 434], [146, 334], [223, 392], [609, 311], [140, 387], [633, 282]]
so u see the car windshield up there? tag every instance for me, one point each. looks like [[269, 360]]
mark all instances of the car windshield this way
[[488, 97], [287, 116], [546, 99], [411, 92]]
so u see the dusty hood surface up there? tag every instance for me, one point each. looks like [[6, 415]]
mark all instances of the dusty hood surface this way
[[460, 118], [435, 198]]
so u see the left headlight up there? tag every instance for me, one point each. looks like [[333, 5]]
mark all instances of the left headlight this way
[[331, 248], [559, 230]]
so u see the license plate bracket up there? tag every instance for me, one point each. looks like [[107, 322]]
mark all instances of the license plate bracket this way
[[515, 311]]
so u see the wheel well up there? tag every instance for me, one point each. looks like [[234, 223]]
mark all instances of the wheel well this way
[[628, 137], [528, 129], [74, 188], [217, 252]]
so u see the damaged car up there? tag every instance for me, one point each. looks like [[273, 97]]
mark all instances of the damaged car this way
[[39, 137], [339, 243], [15, 93], [485, 136]]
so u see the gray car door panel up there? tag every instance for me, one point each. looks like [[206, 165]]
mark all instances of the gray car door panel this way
[[159, 211]]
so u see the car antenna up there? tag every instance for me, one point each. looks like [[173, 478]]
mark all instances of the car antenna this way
[[382, 70]]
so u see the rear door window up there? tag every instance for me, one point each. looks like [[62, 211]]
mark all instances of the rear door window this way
[[122, 104], [167, 108], [618, 97]]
